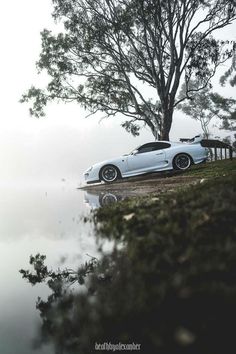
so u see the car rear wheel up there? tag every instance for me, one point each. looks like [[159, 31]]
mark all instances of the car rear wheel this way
[[109, 173], [182, 162]]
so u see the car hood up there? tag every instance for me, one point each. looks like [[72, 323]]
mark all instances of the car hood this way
[[114, 161]]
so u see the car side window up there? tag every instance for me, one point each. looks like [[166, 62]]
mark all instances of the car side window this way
[[161, 146], [153, 147], [146, 148]]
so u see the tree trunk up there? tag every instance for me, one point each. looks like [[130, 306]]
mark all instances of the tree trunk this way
[[167, 121]]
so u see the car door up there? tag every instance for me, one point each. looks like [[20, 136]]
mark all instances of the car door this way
[[147, 158]]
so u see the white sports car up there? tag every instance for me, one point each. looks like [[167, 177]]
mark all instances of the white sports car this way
[[151, 157]]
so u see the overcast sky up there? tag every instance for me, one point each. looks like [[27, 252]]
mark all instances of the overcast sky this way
[[64, 143]]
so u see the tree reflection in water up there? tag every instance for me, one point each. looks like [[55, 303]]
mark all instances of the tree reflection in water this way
[[119, 300], [60, 312], [76, 314]]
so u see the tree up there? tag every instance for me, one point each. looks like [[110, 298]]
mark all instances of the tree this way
[[230, 73], [128, 56], [225, 110], [199, 108], [206, 104]]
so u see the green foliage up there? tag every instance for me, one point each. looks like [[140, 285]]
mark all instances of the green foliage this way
[[39, 98], [225, 110], [40, 270], [230, 73], [171, 286], [204, 104], [127, 57], [131, 127], [56, 280]]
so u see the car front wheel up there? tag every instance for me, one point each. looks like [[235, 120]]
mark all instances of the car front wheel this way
[[182, 162], [109, 173]]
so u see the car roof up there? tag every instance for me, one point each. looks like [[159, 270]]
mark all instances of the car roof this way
[[163, 141]]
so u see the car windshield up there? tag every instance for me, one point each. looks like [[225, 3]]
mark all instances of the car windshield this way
[[150, 147], [134, 150]]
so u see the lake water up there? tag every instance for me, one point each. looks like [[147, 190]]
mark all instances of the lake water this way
[[37, 219]]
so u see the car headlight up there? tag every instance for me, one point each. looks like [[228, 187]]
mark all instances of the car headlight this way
[[89, 169]]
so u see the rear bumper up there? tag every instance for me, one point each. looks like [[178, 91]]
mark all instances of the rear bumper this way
[[202, 160]]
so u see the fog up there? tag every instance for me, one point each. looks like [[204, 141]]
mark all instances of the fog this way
[[64, 143], [56, 149], [41, 165]]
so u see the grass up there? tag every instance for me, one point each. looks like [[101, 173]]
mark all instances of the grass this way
[[213, 169]]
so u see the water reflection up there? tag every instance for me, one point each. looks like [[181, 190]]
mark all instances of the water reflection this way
[[48, 220], [73, 312], [36, 219], [101, 199]]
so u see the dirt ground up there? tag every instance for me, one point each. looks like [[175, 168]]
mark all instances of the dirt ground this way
[[142, 185]]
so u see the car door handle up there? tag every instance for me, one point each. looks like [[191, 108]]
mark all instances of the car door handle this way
[[160, 153]]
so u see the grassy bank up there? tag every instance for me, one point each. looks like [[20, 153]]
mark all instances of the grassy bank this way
[[175, 291], [213, 169], [144, 212]]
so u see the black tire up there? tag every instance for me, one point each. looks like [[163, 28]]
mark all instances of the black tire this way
[[109, 173], [182, 162], [107, 199]]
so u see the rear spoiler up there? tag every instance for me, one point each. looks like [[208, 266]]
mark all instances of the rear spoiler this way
[[196, 139]]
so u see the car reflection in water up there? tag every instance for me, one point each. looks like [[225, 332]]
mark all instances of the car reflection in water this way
[[100, 199]]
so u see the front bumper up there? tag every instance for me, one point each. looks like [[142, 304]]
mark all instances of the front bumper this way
[[91, 177]]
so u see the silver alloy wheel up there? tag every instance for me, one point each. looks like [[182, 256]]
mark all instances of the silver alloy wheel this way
[[182, 162], [109, 173]]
